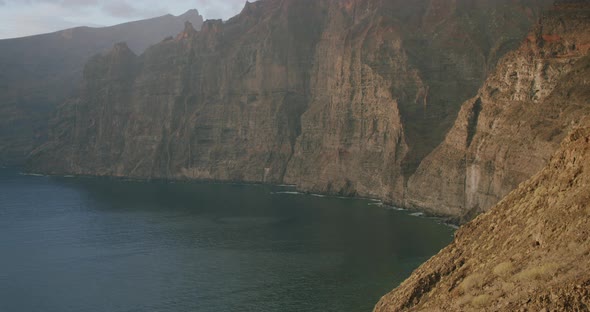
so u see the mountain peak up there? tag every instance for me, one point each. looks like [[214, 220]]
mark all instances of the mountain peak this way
[[191, 12]]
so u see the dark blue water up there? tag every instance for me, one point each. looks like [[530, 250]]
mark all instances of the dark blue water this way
[[90, 244]]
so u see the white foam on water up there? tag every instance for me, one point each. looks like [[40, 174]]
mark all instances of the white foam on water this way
[[286, 185], [32, 174], [288, 193], [456, 227], [394, 208]]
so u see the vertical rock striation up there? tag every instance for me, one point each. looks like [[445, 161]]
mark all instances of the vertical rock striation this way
[[38, 73], [344, 97], [508, 131], [223, 103], [382, 98]]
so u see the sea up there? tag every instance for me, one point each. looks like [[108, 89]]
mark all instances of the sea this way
[[104, 244]]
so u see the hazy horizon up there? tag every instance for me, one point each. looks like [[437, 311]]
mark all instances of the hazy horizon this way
[[21, 18]]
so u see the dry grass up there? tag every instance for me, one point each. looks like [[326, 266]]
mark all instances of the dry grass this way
[[504, 269], [541, 272], [508, 287], [577, 248], [481, 301], [472, 281], [463, 300]]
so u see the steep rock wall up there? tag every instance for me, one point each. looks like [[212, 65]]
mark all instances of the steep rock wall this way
[[222, 103], [509, 130], [38, 73], [382, 98], [343, 97]]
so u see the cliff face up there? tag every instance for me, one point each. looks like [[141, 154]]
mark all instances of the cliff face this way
[[39, 72], [335, 96], [508, 131], [222, 103], [528, 253]]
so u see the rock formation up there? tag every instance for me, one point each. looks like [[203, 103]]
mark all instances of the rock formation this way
[[39, 72], [528, 253], [341, 97], [508, 131]]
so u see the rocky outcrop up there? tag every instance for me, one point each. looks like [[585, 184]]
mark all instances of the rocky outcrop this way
[[528, 253], [339, 97], [508, 131], [40, 72]]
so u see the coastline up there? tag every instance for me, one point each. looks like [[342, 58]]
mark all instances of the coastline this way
[[449, 221]]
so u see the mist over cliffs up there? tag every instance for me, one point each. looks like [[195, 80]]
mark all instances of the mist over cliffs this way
[[344, 97], [38, 73]]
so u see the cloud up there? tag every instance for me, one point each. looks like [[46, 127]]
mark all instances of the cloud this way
[[220, 9], [28, 17], [122, 9], [63, 2], [78, 3], [33, 24]]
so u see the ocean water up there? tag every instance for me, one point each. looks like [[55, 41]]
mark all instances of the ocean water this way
[[97, 244]]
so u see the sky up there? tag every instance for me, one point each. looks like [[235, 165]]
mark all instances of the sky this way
[[20, 18]]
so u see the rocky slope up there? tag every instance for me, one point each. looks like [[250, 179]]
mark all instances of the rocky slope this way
[[39, 72], [508, 131], [528, 253], [335, 96]]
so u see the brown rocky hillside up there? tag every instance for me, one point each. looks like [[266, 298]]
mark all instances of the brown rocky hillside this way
[[530, 252]]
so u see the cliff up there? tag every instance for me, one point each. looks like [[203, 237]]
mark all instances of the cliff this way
[[528, 253], [343, 97], [509, 130], [38, 73]]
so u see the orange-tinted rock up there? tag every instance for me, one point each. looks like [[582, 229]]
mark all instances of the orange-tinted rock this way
[[510, 129], [551, 38]]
